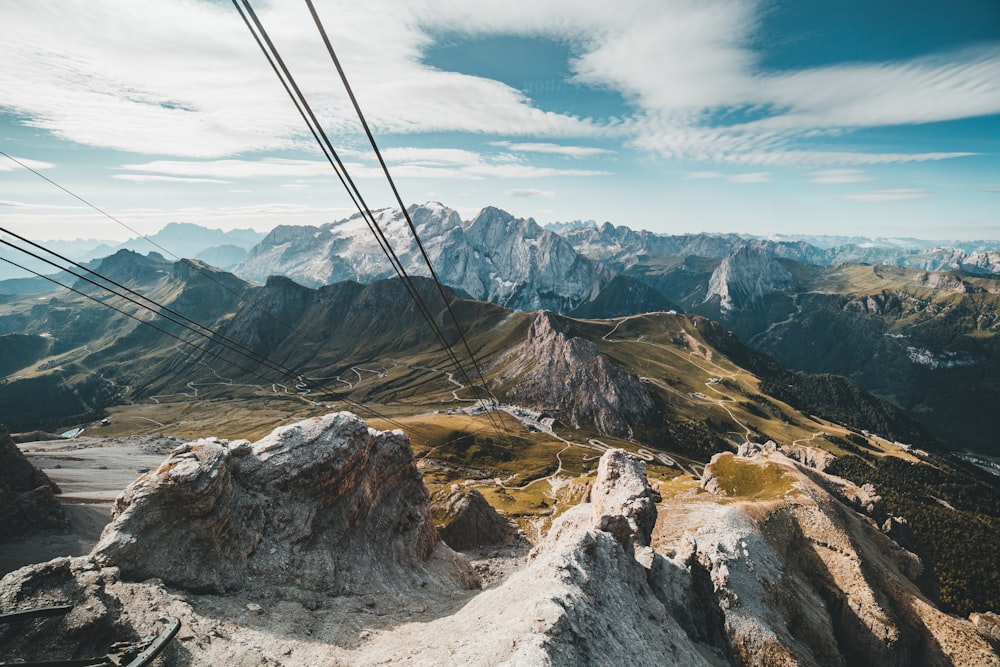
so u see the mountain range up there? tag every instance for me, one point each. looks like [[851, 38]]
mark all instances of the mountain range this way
[[493, 257], [182, 239], [674, 389]]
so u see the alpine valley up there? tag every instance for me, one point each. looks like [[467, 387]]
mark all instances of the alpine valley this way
[[701, 449]]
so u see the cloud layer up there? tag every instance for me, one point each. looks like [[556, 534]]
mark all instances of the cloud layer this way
[[183, 79]]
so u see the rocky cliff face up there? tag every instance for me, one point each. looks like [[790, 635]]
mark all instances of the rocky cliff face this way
[[744, 277], [493, 257], [326, 504], [570, 378], [777, 571]]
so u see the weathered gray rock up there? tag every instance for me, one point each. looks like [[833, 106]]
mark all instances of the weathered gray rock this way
[[820, 459], [569, 377], [622, 499], [324, 504], [468, 521]]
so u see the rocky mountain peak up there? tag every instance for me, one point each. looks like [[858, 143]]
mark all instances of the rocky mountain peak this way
[[128, 266], [569, 377], [745, 276]]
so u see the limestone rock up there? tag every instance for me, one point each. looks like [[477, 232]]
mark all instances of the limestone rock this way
[[750, 450], [324, 504], [820, 459], [797, 579], [569, 376], [469, 521], [622, 499], [745, 277], [988, 625]]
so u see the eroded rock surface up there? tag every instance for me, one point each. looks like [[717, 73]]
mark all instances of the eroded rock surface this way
[[783, 573], [569, 376], [468, 521], [326, 504]]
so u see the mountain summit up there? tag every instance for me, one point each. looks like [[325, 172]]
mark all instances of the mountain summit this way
[[744, 277], [493, 257]]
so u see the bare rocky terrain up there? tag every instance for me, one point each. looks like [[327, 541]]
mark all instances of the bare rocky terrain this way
[[314, 546]]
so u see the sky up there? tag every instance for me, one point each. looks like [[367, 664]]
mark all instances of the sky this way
[[879, 119]]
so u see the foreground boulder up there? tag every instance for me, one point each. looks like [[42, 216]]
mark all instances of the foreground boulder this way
[[326, 504]]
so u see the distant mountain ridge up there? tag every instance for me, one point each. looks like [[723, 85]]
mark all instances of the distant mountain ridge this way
[[494, 257], [183, 239], [622, 246]]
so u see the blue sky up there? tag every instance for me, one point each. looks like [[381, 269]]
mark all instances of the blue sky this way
[[850, 117]]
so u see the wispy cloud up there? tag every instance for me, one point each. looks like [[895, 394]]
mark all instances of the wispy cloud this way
[[153, 178], [578, 152], [838, 176], [749, 177], [28, 206], [526, 193], [897, 194], [10, 165], [183, 79], [233, 169], [404, 162]]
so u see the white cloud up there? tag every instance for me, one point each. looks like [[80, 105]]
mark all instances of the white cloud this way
[[749, 177], [553, 149], [10, 165], [403, 163], [897, 194], [836, 176], [184, 79], [232, 169], [754, 177], [153, 178], [40, 207], [524, 193], [962, 85]]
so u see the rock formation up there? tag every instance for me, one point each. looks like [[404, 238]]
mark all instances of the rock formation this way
[[745, 276], [27, 495], [468, 521], [777, 572], [326, 504], [569, 377]]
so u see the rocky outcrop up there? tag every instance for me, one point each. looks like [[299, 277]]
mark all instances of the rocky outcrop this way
[[796, 579], [622, 500], [584, 598], [467, 521], [804, 579], [326, 504], [570, 378], [745, 276], [27, 495]]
